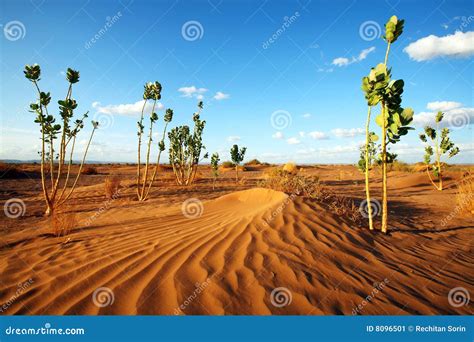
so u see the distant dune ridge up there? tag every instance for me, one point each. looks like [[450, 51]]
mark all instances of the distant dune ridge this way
[[255, 251]]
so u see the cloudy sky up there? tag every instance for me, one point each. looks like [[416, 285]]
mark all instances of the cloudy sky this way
[[282, 78]]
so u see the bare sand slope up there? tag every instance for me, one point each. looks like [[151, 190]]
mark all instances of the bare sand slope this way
[[229, 259]]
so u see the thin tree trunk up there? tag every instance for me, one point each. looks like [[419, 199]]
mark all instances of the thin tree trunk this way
[[367, 165], [384, 172], [139, 149], [150, 138]]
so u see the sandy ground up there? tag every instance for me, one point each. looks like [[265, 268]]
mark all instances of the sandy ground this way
[[238, 249]]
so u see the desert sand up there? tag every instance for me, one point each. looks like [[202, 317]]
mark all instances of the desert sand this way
[[234, 247]]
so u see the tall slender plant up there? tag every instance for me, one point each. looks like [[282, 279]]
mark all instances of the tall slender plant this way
[[237, 157], [394, 120], [151, 92], [57, 194], [186, 148], [441, 147], [215, 168]]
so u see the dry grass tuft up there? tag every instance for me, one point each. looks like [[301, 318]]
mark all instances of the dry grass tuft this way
[[400, 166], [89, 170], [465, 194], [62, 223], [112, 186], [290, 168]]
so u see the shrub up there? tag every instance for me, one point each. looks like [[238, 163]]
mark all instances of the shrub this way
[[400, 166], [185, 149], [64, 134], [215, 168], [62, 223], [290, 168], [465, 194], [228, 165], [111, 186], [89, 170], [253, 162], [237, 157]]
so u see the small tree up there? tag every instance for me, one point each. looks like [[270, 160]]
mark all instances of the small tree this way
[[186, 148], [393, 119], [440, 148], [237, 157], [50, 132], [151, 92], [215, 168]]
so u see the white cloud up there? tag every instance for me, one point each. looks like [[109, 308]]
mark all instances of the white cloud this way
[[454, 115], [293, 141], [343, 61], [278, 135], [221, 96], [192, 91], [459, 44], [302, 134], [127, 109], [346, 133], [443, 105], [233, 138], [306, 115], [318, 135]]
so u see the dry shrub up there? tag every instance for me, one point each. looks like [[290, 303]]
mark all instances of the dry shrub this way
[[227, 165], [465, 194], [253, 162], [310, 186], [419, 167], [399, 166], [112, 186], [62, 223], [291, 168], [89, 170]]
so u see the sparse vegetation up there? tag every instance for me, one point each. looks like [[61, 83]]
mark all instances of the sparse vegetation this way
[[151, 92], [215, 168], [290, 168], [394, 120], [465, 194], [228, 165], [89, 170], [56, 194], [441, 147], [111, 186], [62, 223], [237, 157], [186, 148]]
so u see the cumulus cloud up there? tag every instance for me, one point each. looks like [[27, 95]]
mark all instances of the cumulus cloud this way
[[318, 135], [192, 91], [221, 96], [347, 133], [278, 135], [455, 115], [443, 105], [459, 44], [233, 138], [293, 141], [126, 109], [343, 61]]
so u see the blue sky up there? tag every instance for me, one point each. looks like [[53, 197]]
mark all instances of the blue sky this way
[[307, 77]]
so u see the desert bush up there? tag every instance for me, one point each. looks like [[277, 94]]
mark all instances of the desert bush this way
[[237, 157], [64, 133], [111, 186], [151, 92], [253, 162], [280, 180], [215, 168], [290, 168], [465, 194], [62, 223], [186, 148], [228, 165], [400, 166], [394, 120], [89, 170], [441, 146]]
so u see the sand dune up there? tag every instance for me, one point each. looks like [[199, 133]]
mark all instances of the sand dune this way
[[227, 256]]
